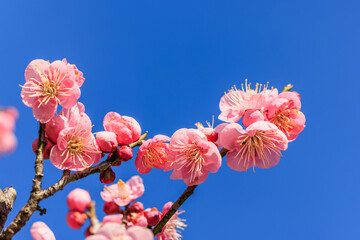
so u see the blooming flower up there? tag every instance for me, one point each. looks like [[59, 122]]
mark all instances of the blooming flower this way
[[124, 193], [78, 200], [127, 129], [40, 231], [112, 231], [259, 145], [285, 113], [76, 148], [192, 156], [234, 103], [172, 229], [47, 85], [76, 219], [152, 153]]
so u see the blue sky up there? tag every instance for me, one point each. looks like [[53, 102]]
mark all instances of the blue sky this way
[[167, 64]]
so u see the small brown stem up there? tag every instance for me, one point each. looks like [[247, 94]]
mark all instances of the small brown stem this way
[[186, 194], [287, 88], [95, 223]]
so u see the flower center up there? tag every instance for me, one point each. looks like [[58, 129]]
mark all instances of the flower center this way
[[190, 156], [154, 155], [282, 120], [75, 145], [258, 146]]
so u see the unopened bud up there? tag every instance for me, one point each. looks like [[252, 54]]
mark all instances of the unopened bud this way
[[111, 208], [136, 207], [75, 219], [125, 153], [107, 176], [153, 216]]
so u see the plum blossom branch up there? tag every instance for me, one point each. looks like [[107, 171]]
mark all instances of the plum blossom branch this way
[[95, 223], [38, 195], [7, 199], [186, 194]]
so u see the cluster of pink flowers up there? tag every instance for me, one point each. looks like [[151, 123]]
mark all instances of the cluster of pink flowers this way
[[8, 139], [271, 120], [125, 216]]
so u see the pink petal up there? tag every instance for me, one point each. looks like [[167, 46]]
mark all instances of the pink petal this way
[[229, 134]]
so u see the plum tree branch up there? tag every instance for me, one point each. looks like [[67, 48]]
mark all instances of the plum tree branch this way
[[37, 195], [184, 196]]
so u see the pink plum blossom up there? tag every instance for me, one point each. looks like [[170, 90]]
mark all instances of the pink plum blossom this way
[[285, 113], [112, 231], [40, 231], [127, 129], [124, 193], [234, 103], [192, 156], [47, 86], [8, 139], [172, 229], [114, 218], [152, 153], [106, 141], [259, 145], [251, 116], [79, 79], [78, 200], [125, 153], [76, 148]]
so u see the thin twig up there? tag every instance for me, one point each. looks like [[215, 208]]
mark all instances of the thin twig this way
[[186, 194]]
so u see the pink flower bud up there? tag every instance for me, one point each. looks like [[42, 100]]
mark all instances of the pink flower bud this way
[[127, 129], [125, 153], [78, 200], [107, 176], [136, 207], [88, 231], [111, 208], [153, 216], [251, 116], [47, 149], [139, 220], [76, 219], [40, 231], [106, 141]]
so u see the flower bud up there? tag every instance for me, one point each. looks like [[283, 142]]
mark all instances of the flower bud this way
[[136, 207], [78, 200], [76, 219], [111, 208], [107, 176], [125, 153], [106, 141], [88, 231], [153, 216], [139, 220], [47, 149], [40, 231]]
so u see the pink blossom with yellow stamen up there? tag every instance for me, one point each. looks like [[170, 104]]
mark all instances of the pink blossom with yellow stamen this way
[[76, 148], [124, 193], [116, 231], [234, 103], [259, 145], [152, 153], [172, 229], [192, 156], [285, 113], [47, 86]]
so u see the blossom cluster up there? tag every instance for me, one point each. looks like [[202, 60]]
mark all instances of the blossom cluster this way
[[8, 139], [132, 222]]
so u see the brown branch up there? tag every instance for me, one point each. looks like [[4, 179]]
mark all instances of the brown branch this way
[[7, 199], [186, 194], [95, 223], [37, 196]]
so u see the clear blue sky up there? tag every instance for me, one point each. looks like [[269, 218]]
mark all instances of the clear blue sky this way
[[167, 64]]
